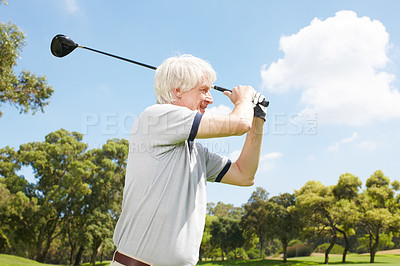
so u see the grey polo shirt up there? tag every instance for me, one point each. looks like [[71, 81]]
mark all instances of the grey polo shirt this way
[[164, 200]]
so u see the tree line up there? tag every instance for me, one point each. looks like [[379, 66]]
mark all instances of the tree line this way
[[69, 213], [315, 217]]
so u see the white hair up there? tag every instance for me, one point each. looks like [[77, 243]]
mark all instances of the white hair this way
[[181, 72]]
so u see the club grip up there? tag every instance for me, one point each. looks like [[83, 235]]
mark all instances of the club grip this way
[[218, 88]]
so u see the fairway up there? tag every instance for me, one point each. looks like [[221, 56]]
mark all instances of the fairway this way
[[353, 259], [9, 260]]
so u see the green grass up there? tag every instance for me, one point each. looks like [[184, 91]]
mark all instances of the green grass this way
[[8, 260], [254, 263], [104, 263], [359, 260], [353, 259]]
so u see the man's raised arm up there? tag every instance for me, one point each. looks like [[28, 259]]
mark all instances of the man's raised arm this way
[[236, 123], [240, 121]]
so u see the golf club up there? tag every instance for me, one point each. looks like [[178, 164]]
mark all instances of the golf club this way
[[62, 45]]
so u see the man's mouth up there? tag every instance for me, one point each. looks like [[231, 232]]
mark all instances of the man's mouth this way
[[202, 109]]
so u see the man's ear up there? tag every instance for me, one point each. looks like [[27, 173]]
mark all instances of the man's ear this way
[[177, 93]]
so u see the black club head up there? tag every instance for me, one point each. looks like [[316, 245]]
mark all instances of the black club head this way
[[62, 45]]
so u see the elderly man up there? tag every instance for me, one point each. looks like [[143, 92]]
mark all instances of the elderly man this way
[[164, 200]]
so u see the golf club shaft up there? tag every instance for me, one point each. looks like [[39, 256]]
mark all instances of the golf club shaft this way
[[218, 88], [119, 57]]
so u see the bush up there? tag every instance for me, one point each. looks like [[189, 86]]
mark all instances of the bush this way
[[273, 248], [291, 252], [240, 254], [385, 242], [304, 250], [337, 249], [254, 253], [4, 243], [301, 250], [295, 242]]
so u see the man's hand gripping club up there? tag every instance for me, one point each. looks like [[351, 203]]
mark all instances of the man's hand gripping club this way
[[239, 93], [259, 110], [240, 120]]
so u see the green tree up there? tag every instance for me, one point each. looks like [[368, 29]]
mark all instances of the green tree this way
[[284, 221], [346, 195], [254, 217], [9, 166], [17, 212], [4, 199], [102, 204], [62, 172], [107, 183], [227, 210], [379, 210], [210, 208], [214, 211], [25, 91], [75, 201], [99, 232], [207, 250], [226, 234], [316, 202]]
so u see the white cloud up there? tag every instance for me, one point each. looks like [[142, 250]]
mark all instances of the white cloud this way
[[267, 161], [368, 145], [335, 146], [72, 6], [337, 64], [219, 110], [271, 156], [365, 145], [350, 139]]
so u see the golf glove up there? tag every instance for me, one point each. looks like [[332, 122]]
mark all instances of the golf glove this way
[[259, 110]]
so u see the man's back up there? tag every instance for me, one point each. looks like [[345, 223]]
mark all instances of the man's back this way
[[164, 201]]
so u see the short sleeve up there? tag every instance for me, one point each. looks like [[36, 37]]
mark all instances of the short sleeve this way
[[217, 166], [166, 124]]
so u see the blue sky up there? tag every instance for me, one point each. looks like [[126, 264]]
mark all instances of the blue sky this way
[[329, 68]]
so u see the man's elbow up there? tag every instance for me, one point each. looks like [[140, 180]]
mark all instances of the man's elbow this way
[[242, 128], [247, 182]]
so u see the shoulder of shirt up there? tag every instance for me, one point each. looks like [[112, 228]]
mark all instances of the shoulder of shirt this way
[[156, 108]]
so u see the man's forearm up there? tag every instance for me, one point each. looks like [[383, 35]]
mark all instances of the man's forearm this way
[[250, 156], [237, 123]]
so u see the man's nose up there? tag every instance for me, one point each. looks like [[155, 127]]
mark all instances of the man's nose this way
[[209, 98]]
